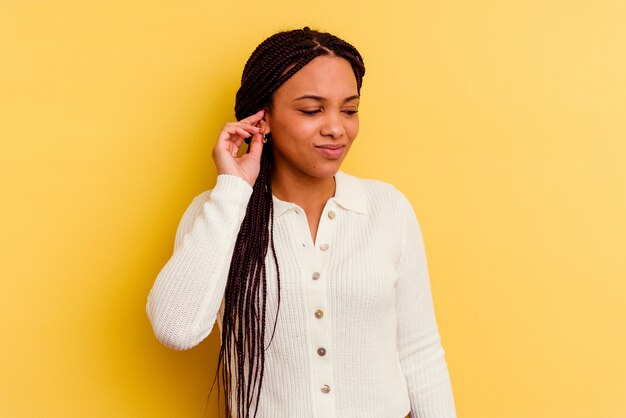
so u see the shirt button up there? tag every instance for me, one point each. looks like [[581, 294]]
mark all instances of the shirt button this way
[[331, 214], [325, 388], [321, 351], [324, 247], [315, 276], [319, 314]]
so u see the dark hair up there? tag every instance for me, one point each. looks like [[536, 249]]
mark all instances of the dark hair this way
[[272, 63]]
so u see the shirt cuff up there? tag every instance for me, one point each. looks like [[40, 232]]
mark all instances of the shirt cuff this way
[[232, 191]]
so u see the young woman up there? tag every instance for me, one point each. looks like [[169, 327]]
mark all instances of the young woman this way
[[317, 279]]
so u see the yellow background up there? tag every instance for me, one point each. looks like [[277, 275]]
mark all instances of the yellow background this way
[[504, 122]]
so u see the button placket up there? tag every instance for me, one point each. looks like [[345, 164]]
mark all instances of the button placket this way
[[320, 315]]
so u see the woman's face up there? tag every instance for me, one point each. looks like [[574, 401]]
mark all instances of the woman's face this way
[[314, 119]]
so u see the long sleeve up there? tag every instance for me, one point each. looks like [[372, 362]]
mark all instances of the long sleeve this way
[[183, 303], [419, 345]]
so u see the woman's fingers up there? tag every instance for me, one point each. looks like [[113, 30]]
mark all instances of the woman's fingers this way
[[234, 149], [256, 146], [245, 128], [232, 134], [229, 141], [237, 130], [253, 119], [243, 133]]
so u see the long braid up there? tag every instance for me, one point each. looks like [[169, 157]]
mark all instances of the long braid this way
[[272, 63]]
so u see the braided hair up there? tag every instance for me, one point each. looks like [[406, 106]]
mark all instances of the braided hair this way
[[272, 63]]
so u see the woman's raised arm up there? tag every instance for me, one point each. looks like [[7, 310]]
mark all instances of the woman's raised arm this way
[[184, 301]]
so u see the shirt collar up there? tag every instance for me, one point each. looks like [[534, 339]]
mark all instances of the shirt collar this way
[[349, 194]]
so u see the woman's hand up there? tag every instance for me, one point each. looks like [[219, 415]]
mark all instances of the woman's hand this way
[[230, 139]]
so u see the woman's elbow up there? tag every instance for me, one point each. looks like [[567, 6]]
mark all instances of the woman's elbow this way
[[175, 336], [173, 341]]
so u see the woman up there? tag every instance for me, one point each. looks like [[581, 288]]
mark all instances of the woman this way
[[317, 279]]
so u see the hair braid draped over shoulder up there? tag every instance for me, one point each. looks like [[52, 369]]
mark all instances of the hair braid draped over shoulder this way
[[242, 354]]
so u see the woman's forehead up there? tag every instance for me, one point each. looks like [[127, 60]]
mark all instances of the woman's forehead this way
[[324, 77]]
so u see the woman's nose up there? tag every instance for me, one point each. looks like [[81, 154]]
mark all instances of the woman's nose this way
[[333, 125]]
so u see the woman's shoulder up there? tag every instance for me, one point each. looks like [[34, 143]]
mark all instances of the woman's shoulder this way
[[375, 197], [373, 189]]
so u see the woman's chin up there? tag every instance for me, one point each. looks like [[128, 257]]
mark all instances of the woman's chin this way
[[316, 168], [326, 170]]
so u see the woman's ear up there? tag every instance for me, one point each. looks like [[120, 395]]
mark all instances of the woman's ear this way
[[264, 123]]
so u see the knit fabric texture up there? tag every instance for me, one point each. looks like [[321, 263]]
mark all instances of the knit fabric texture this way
[[356, 334]]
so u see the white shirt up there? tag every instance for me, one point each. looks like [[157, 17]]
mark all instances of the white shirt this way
[[361, 293]]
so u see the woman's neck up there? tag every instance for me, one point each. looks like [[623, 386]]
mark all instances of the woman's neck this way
[[310, 193]]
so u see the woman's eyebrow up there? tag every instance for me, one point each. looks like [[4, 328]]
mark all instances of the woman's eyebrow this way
[[321, 99]]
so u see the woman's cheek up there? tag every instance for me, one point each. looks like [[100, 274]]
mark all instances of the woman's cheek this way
[[354, 130], [307, 130]]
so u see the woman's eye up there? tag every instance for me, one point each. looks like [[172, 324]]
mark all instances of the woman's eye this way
[[350, 112], [310, 112]]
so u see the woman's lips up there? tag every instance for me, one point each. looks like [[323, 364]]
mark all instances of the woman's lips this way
[[331, 152]]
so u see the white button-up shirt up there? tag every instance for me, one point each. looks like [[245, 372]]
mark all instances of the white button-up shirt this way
[[356, 334]]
